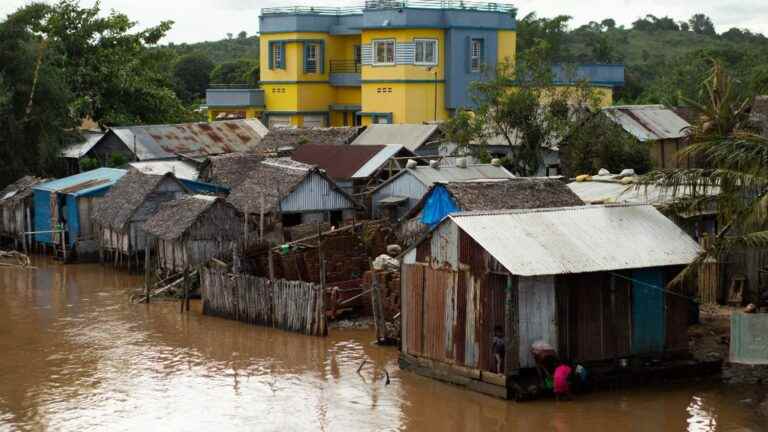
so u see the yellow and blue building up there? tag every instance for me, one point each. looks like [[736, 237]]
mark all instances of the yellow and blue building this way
[[404, 61]]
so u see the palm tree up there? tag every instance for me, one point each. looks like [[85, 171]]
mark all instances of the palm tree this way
[[732, 171]]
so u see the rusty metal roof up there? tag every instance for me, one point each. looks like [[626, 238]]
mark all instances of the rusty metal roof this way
[[579, 239], [193, 140], [648, 122], [339, 162]]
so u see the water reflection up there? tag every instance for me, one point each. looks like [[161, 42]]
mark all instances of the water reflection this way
[[77, 356]]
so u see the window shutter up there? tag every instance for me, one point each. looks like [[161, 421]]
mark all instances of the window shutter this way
[[306, 57], [282, 55], [271, 55], [469, 54], [321, 57]]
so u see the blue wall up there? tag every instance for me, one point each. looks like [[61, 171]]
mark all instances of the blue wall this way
[[457, 73]]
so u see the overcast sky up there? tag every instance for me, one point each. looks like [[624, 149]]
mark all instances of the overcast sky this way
[[198, 20]]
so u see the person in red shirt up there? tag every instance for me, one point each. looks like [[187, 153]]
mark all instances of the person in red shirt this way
[[561, 386]]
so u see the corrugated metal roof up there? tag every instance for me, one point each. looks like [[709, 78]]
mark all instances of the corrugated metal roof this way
[[579, 239], [339, 162], [430, 176], [192, 139], [648, 122], [79, 149], [180, 169], [385, 154], [607, 192], [410, 136], [83, 183]]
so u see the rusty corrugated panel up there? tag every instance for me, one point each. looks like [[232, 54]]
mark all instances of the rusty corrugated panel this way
[[434, 313], [617, 306], [471, 254], [678, 312], [473, 317], [444, 244], [339, 162], [450, 314], [495, 306], [460, 319], [423, 251], [415, 297]]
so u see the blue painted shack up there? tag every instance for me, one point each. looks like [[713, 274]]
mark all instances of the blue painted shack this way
[[69, 202]]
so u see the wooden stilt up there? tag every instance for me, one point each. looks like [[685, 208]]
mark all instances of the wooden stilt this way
[[147, 271]]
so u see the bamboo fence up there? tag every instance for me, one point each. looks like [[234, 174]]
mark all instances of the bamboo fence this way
[[288, 305]]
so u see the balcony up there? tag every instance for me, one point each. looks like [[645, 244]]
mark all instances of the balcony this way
[[345, 73], [233, 96]]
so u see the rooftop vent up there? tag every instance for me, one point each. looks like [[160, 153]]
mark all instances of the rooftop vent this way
[[411, 164], [496, 162]]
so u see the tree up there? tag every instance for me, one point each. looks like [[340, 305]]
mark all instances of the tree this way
[[701, 24], [62, 63], [242, 35], [532, 29], [191, 74], [735, 170], [243, 71], [229, 36], [608, 23], [684, 26]]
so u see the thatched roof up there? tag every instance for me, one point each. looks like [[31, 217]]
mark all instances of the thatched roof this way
[[229, 169], [174, 218], [512, 194], [19, 190], [759, 114], [271, 178], [125, 197], [296, 137]]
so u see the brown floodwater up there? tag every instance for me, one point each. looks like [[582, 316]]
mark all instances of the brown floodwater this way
[[75, 355]]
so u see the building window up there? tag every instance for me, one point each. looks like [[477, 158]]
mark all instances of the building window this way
[[426, 51], [277, 55], [311, 54], [384, 52], [476, 55]]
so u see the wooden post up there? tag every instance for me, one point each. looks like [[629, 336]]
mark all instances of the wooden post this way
[[511, 337], [323, 329], [64, 243], [186, 290], [271, 264], [184, 276], [146, 270], [29, 226], [245, 229], [261, 220], [378, 308]]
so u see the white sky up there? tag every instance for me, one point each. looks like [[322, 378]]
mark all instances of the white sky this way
[[198, 20]]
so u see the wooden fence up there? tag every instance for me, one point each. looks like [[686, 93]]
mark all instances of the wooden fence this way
[[287, 305]]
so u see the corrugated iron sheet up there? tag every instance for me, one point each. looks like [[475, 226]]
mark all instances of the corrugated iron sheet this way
[[429, 175], [578, 239], [315, 193], [536, 312], [181, 169], [339, 162], [648, 122], [192, 139], [606, 192], [386, 153], [410, 136], [83, 183], [748, 338], [79, 149]]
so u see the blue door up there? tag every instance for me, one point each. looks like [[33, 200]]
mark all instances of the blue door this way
[[648, 314]]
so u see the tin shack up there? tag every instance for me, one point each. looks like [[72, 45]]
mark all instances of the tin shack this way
[[588, 280], [119, 217], [193, 229], [16, 210], [68, 204]]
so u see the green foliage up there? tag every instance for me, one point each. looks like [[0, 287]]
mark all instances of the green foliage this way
[[532, 30], [61, 63], [221, 51], [599, 143], [242, 71], [702, 24], [116, 160], [191, 75], [89, 163]]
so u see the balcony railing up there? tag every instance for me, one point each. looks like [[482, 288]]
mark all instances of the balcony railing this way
[[345, 66], [392, 4]]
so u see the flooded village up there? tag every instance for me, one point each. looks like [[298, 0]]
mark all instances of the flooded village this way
[[384, 233]]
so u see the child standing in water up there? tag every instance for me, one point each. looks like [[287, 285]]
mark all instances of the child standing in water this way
[[561, 386]]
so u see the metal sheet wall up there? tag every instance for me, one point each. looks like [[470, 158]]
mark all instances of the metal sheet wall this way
[[406, 185], [536, 303], [315, 193], [648, 320]]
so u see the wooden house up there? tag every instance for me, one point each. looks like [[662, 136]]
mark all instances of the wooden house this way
[[16, 209], [119, 217], [589, 280], [193, 229], [399, 194], [68, 204], [280, 193]]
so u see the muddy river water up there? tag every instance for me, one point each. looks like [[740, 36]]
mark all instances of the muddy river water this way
[[75, 355]]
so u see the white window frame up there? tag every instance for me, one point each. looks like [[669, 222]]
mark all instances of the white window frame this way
[[416, 43], [276, 56], [313, 48], [375, 44], [476, 55]]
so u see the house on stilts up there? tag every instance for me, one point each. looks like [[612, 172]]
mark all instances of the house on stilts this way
[[591, 281], [64, 210], [119, 217], [193, 229], [17, 211]]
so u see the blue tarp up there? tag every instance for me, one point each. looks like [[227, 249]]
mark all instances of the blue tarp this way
[[202, 187], [439, 205]]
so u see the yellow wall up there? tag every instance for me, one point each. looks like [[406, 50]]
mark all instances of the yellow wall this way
[[348, 95], [294, 57], [408, 102], [507, 46]]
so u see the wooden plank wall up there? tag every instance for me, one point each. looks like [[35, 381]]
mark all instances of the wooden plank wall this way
[[288, 305]]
